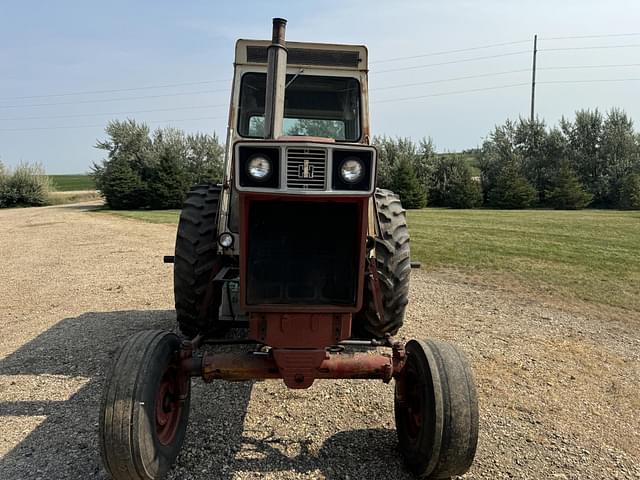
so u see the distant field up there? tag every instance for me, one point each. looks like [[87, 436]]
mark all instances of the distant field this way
[[66, 183], [593, 255], [471, 159]]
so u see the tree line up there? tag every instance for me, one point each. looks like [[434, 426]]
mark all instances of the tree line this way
[[592, 160]]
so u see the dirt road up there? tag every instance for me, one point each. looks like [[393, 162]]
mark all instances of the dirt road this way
[[559, 384]]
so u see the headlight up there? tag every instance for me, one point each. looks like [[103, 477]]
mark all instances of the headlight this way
[[351, 170], [259, 167], [225, 240]]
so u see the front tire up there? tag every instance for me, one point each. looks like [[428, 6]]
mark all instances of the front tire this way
[[436, 410], [143, 419]]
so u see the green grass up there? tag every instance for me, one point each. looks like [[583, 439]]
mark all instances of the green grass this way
[[66, 183], [593, 255], [151, 216]]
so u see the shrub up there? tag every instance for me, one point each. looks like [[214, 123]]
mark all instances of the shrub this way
[[26, 186]]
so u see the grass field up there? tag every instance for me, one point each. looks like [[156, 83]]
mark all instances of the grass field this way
[[152, 216], [66, 183], [592, 255]]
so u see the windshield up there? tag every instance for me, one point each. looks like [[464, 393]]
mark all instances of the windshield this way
[[314, 105]]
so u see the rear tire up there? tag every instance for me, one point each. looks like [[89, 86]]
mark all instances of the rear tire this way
[[393, 264], [142, 420], [196, 260]]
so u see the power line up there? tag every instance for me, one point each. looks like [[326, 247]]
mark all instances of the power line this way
[[132, 89], [429, 54], [415, 67], [103, 100], [102, 125], [595, 80], [47, 117], [446, 52], [578, 67], [482, 75], [605, 35], [595, 47], [456, 92]]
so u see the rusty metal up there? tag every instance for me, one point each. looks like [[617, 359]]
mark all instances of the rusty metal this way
[[298, 368], [375, 289], [169, 403], [300, 330], [251, 366]]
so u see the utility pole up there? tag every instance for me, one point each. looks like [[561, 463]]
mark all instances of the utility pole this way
[[533, 77]]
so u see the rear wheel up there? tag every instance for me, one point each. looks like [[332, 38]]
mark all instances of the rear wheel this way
[[145, 408], [436, 410], [197, 299], [393, 265]]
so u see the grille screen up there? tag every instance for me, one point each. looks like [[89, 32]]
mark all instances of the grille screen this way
[[302, 253], [308, 56], [306, 168]]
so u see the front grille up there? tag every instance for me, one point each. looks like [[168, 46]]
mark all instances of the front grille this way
[[302, 253], [306, 168]]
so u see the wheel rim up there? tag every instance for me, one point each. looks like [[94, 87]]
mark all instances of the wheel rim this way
[[168, 406], [414, 404]]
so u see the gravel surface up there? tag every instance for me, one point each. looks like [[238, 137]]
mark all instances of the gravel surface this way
[[558, 382]]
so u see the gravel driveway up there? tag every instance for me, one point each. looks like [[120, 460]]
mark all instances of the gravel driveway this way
[[559, 384]]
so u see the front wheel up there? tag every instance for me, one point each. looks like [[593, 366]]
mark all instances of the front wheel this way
[[145, 408], [436, 410]]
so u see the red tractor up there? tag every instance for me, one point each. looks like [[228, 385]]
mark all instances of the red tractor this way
[[299, 246]]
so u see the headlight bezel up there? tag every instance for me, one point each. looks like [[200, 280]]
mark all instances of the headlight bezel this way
[[365, 182], [271, 153]]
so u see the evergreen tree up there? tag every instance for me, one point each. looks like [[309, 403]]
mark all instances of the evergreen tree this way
[[452, 185], [630, 192], [511, 190], [464, 192], [169, 182], [406, 185], [121, 186], [568, 193]]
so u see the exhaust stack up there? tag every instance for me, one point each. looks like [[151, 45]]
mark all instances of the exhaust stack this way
[[276, 78]]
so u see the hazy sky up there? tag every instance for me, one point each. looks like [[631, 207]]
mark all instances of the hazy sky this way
[[66, 47]]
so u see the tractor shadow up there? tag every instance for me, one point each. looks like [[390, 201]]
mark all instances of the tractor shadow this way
[[65, 443]]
